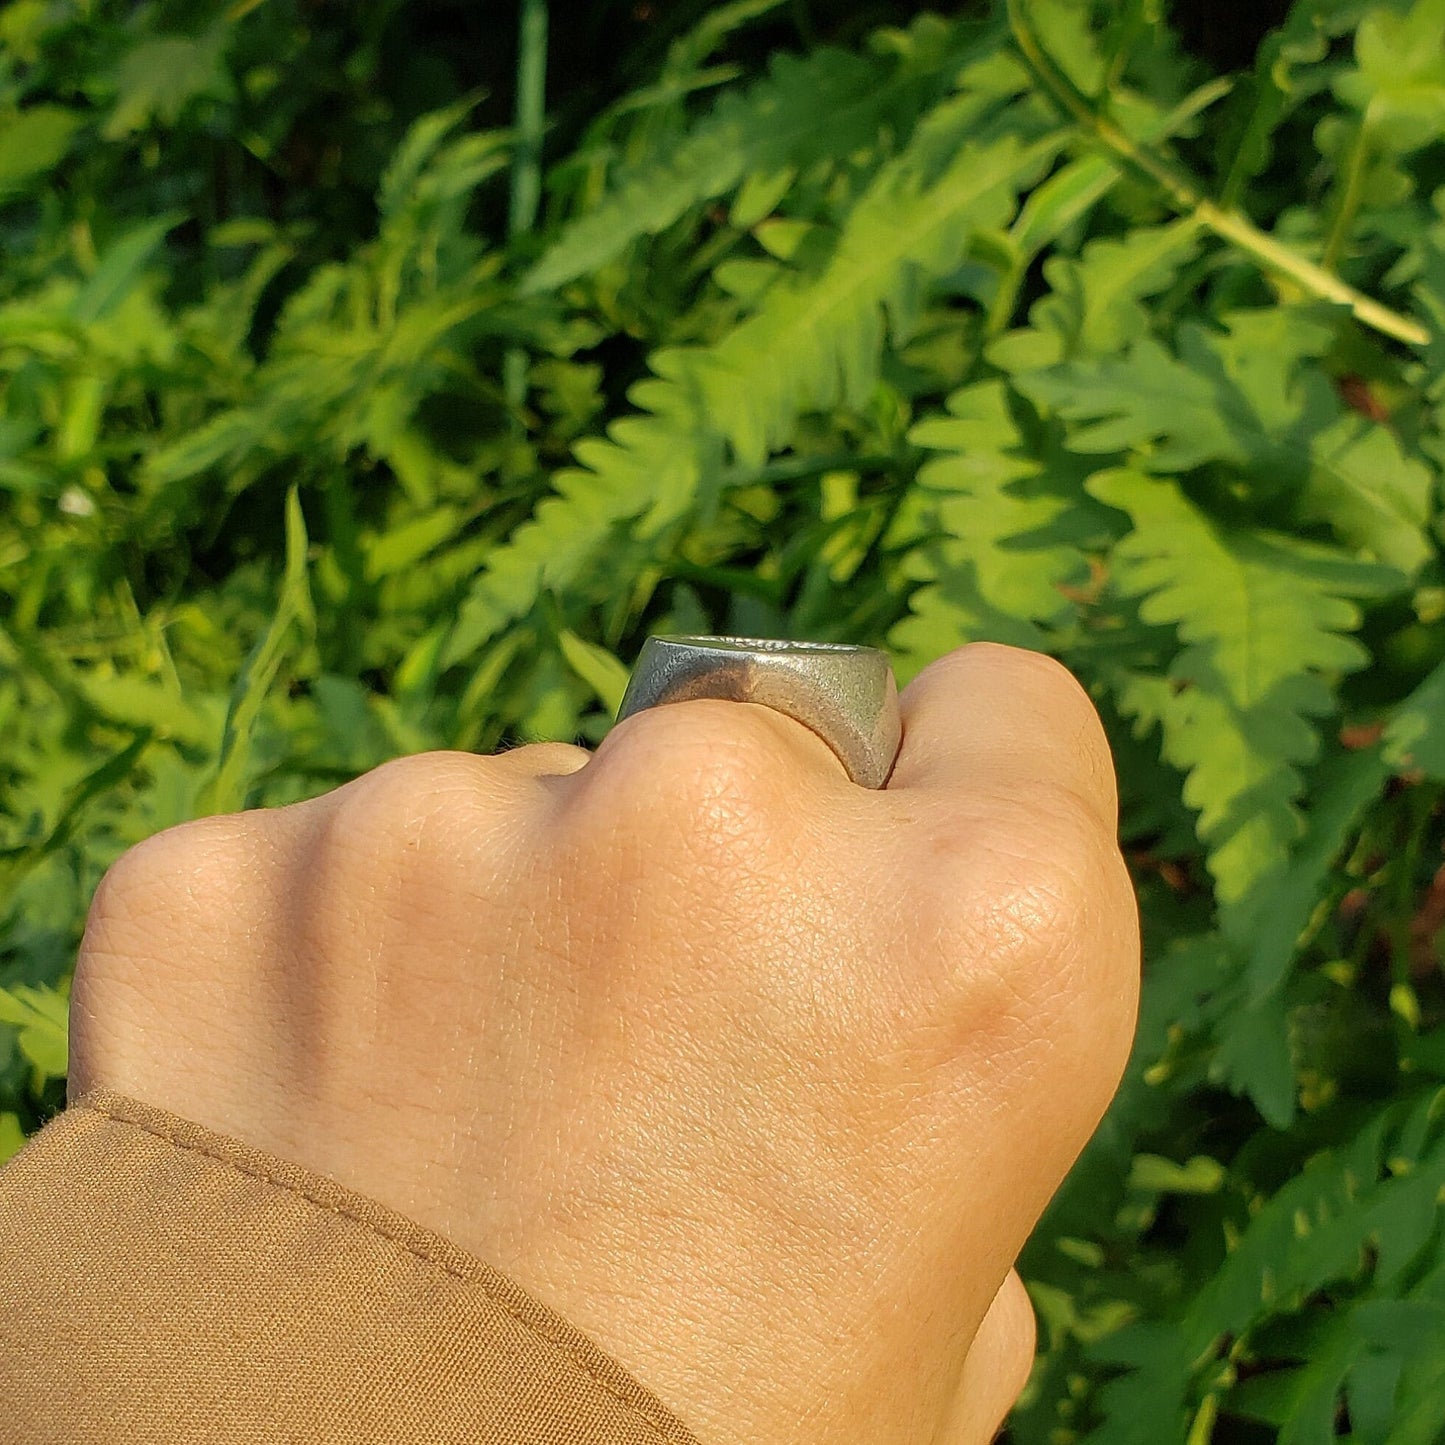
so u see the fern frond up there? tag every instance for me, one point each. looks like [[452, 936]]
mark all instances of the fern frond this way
[[1264, 619], [1415, 737], [357, 347], [1243, 398], [769, 128], [1360, 1214], [1095, 307], [815, 343], [1000, 547], [1239, 398], [1265, 927]]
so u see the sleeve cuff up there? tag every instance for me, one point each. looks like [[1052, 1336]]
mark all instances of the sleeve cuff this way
[[160, 1282]]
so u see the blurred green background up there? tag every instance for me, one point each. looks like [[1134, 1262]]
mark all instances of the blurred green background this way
[[376, 377]]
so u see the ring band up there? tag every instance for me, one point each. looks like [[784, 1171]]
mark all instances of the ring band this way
[[846, 695]]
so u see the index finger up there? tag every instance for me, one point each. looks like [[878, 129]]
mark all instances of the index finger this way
[[1003, 717]]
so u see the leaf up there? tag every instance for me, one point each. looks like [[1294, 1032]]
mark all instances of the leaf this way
[[418, 149], [12, 1137], [769, 129], [1254, 1060], [1066, 32], [1095, 304], [161, 76], [1399, 80], [1285, 73], [1239, 398], [294, 615], [231, 434], [1244, 399], [1371, 493], [1373, 1385], [712, 29], [33, 142], [813, 344], [1002, 544], [1419, 1414], [1320, 1227], [142, 703], [352, 737], [1264, 620], [1266, 923], [405, 545], [115, 277], [41, 1017], [598, 668], [1156, 1175], [95, 784], [1415, 735]]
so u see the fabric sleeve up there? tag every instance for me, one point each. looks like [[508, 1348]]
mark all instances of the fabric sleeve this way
[[161, 1283]]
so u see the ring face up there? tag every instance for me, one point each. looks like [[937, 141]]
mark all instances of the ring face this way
[[846, 695]]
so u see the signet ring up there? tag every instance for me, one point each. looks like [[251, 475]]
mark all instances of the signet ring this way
[[846, 695]]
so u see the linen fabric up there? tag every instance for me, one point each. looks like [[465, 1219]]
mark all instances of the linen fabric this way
[[163, 1284]]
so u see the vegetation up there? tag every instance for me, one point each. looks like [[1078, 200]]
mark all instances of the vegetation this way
[[346, 414]]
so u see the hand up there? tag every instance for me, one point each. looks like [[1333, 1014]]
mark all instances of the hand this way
[[759, 1077]]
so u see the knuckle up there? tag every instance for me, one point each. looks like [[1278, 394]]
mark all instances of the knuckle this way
[[543, 759], [159, 914], [396, 789], [1062, 699], [397, 809], [180, 868], [1058, 827], [1059, 911], [698, 794], [400, 854], [695, 760], [1054, 844], [1025, 893]]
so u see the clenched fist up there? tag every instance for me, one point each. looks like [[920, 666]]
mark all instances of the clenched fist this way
[[759, 1077]]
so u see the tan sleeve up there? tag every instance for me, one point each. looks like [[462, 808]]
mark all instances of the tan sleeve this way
[[161, 1284]]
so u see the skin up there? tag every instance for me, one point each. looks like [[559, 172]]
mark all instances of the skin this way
[[759, 1077]]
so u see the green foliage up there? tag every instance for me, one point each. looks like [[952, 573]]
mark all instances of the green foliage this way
[[1016, 324], [38, 1016]]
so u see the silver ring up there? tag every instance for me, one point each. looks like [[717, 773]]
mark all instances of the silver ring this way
[[847, 695]]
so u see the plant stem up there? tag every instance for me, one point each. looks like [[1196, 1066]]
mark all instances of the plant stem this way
[[1187, 198], [1349, 199], [531, 114]]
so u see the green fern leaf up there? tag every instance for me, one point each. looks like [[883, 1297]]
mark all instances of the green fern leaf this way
[[1371, 493], [1266, 924], [418, 148], [1373, 1198], [1002, 545], [40, 1017], [1238, 397], [1254, 1059], [1399, 85], [294, 618], [1243, 398], [1287, 70], [1415, 737], [770, 128], [1095, 302], [817, 344], [814, 344], [1264, 619]]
